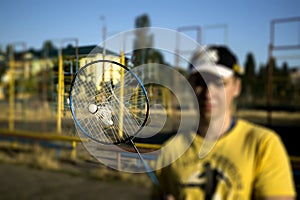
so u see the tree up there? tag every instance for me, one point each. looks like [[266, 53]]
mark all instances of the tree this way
[[48, 49], [282, 84], [262, 80], [249, 78], [250, 65], [142, 21], [9, 51], [142, 40], [143, 51]]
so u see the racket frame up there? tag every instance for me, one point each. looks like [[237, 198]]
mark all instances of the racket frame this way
[[127, 139]]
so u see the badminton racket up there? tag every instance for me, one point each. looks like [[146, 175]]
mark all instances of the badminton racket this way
[[109, 104]]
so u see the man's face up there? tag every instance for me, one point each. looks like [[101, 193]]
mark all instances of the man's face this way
[[215, 94]]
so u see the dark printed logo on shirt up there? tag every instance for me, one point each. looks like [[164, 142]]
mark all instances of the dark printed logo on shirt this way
[[218, 170]]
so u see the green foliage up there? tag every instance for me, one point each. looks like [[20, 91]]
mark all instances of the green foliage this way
[[142, 54], [249, 77], [255, 86]]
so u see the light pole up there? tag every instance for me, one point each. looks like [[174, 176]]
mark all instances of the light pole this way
[[102, 18]]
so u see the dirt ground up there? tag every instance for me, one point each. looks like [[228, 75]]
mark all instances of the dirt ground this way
[[23, 182], [30, 174]]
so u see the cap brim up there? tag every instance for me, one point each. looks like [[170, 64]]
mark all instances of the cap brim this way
[[217, 70]]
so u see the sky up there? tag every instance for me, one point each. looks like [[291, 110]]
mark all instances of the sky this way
[[247, 22]]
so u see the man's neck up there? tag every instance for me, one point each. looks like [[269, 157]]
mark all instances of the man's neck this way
[[213, 129]]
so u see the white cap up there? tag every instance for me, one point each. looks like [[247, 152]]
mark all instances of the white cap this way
[[217, 60]]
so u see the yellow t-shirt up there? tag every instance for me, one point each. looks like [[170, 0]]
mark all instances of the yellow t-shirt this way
[[248, 161]]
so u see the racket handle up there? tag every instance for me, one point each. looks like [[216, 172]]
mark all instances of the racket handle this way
[[148, 169]]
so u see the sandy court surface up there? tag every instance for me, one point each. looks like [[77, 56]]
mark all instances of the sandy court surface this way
[[22, 182]]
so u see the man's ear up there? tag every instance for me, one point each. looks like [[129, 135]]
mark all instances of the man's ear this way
[[238, 86]]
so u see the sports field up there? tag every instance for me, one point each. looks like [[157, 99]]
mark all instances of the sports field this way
[[29, 172]]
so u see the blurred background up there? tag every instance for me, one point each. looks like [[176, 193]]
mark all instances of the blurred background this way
[[44, 43]]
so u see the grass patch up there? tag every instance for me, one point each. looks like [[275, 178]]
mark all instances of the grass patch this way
[[84, 165]]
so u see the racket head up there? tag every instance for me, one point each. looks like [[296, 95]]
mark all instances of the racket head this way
[[108, 102]]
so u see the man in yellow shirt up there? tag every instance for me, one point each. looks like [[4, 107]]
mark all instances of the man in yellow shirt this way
[[228, 158]]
